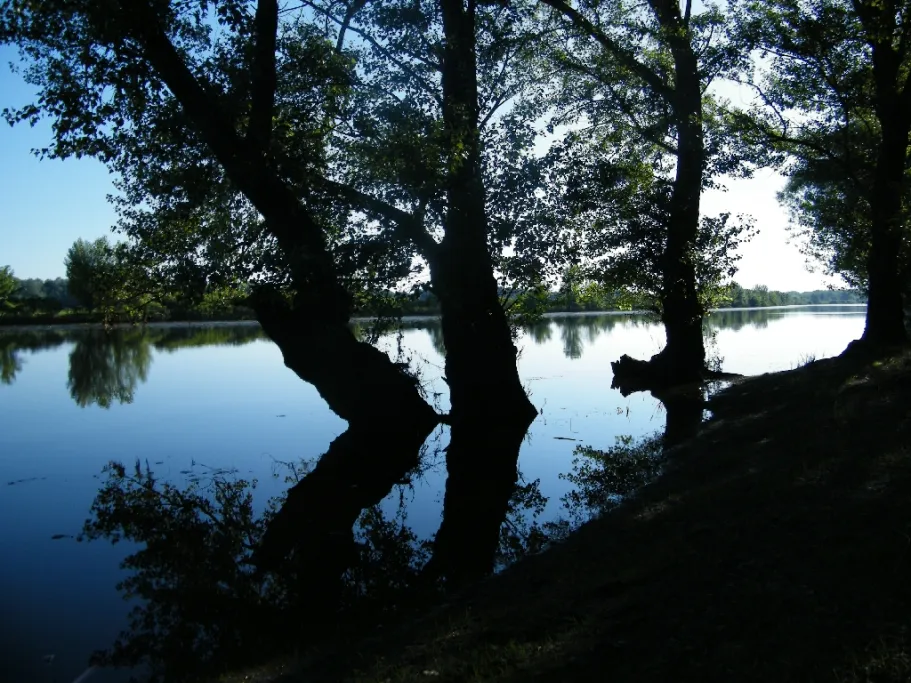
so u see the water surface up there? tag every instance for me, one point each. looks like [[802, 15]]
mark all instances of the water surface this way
[[190, 399]]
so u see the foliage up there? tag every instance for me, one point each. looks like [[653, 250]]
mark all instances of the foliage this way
[[32, 289], [392, 142], [736, 296], [830, 211], [90, 270], [184, 211], [356, 122], [620, 209], [621, 73], [603, 478], [819, 110], [36, 296], [111, 279], [8, 286]]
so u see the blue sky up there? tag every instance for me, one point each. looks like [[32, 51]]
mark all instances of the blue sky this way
[[46, 205]]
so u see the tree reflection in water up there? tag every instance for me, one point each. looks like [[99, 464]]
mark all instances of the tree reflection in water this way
[[106, 367], [12, 344], [221, 586], [204, 606], [602, 479]]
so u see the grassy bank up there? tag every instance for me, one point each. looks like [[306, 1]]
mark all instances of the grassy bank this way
[[777, 547]]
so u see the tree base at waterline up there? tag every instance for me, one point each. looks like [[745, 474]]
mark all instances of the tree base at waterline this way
[[632, 374], [867, 349]]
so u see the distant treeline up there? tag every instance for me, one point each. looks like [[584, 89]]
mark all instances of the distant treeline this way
[[736, 297], [43, 295], [759, 296], [36, 300]]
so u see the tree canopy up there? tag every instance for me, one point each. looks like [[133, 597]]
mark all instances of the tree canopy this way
[[8, 285]]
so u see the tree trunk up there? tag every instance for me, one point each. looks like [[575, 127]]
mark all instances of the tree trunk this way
[[684, 354], [358, 381], [480, 354], [683, 358], [490, 411], [885, 324]]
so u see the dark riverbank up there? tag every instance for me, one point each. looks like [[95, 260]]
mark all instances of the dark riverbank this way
[[775, 547]]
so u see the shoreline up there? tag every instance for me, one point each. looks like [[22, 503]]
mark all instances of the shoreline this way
[[171, 324]]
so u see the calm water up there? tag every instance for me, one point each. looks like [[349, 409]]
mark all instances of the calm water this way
[[186, 399]]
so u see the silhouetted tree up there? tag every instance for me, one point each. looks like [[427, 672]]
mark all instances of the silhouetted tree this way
[[218, 162], [653, 140], [8, 286], [91, 272], [835, 99]]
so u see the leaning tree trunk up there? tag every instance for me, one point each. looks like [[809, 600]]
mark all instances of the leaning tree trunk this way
[[885, 323], [490, 411], [359, 383]]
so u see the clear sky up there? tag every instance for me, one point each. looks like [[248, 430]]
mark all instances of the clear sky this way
[[46, 205]]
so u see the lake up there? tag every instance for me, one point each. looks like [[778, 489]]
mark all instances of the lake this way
[[191, 399]]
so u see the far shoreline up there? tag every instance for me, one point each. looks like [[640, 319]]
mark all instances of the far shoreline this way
[[173, 324]]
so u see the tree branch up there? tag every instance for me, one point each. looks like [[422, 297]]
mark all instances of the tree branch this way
[[353, 9], [408, 71], [625, 57], [646, 133], [407, 226], [775, 136], [262, 74], [495, 102]]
